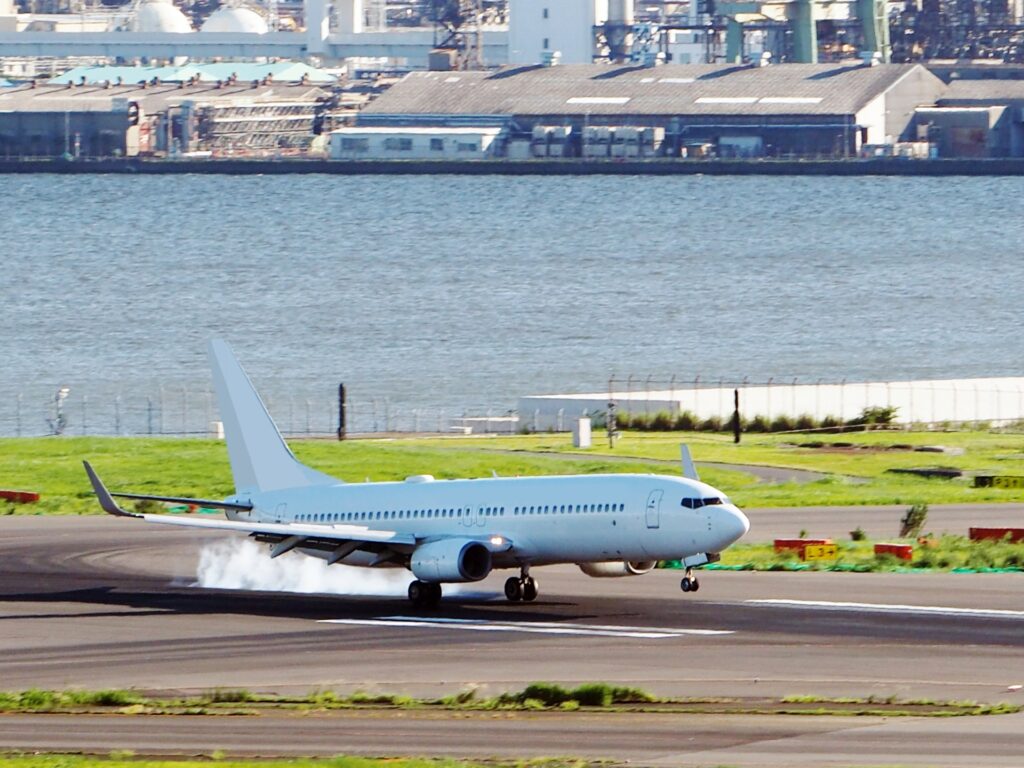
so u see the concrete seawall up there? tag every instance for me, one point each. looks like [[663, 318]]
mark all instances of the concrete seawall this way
[[857, 167]]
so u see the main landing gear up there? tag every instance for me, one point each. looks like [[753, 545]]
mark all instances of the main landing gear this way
[[425, 594], [523, 588], [689, 582]]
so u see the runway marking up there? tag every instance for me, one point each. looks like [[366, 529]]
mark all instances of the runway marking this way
[[923, 610], [539, 627]]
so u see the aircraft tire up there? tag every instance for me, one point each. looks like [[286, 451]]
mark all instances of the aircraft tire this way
[[513, 589], [686, 585], [529, 589]]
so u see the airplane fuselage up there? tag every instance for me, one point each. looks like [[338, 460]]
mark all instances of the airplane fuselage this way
[[580, 518]]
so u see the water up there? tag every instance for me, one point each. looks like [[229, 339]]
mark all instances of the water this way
[[450, 293]]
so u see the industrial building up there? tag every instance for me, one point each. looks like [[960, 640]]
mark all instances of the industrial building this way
[[608, 111], [159, 118]]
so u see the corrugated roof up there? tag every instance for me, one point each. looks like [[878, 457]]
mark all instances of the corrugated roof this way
[[280, 71], [601, 89], [984, 91], [54, 98]]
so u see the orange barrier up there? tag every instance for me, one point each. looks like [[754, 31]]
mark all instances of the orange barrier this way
[[902, 551], [997, 534], [20, 497]]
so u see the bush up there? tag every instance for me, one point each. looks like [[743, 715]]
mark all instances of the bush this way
[[758, 424], [875, 416], [712, 424], [593, 695], [857, 534], [662, 421], [219, 696], [548, 693], [913, 521], [783, 424], [686, 422], [805, 422], [627, 695]]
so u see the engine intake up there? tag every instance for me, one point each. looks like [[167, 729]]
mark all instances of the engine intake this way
[[451, 560], [616, 568]]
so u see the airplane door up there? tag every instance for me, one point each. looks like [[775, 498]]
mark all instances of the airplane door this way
[[653, 513], [469, 517]]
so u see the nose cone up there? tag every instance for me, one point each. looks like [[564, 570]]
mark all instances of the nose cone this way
[[730, 525]]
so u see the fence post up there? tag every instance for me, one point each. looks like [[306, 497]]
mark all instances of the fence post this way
[[342, 415]]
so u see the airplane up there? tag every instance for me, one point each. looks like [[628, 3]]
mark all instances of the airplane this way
[[449, 531]]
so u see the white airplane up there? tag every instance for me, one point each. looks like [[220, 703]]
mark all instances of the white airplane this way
[[448, 531]]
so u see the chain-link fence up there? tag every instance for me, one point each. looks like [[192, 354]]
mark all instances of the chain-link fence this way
[[185, 412]]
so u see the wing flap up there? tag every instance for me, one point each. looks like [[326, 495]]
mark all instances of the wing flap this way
[[336, 532]]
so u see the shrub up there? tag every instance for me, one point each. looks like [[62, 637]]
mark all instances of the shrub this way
[[857, 534], [783, 424], [913, 521], [627, 695], [662, 421], [830, 422], [639, 421], [686, 422], [805, 422], [548, 693], [593, 695], [569, 706], [219, 696], [877, 415], [712, 424], [623, 420], [758, 424]]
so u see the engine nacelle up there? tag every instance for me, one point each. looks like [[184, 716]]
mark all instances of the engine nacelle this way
[[451, 560], [616, 568]]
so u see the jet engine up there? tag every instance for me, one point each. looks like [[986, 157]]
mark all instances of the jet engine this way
[[451, 560], [615, 568]]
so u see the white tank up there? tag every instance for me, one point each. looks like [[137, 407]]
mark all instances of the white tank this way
[[159, 16], [226, 19]]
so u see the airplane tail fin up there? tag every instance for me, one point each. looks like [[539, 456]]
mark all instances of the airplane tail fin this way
[[260, 458]]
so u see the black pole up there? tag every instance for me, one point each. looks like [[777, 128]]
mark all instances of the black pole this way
[[736, 416], [342, 429]]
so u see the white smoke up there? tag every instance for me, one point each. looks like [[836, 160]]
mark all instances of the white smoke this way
[[243, 564]]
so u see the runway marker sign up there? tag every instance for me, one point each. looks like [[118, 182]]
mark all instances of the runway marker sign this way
[[821, 552], [528, 627]]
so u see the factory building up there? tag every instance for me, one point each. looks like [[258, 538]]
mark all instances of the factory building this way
[[157, 118], [976, 118], [793, 110]]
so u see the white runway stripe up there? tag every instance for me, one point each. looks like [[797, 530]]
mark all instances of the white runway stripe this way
[[922, 610], [542, 628]]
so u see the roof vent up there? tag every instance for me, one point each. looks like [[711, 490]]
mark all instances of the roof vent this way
[[763, 59], [871, 58], [550, 58]]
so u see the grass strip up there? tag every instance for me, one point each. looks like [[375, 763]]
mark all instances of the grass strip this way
[[600, 697]]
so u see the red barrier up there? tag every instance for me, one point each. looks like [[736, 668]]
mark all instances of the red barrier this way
[[902, 551], [20, 497], [797, 545], [997, 534]]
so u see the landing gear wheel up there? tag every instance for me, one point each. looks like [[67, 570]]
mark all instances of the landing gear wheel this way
[[694, 584], [513, 589], [529, 589], [424, 594], [686, 584]]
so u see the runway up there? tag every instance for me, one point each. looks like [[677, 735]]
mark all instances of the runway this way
[[100, 602]]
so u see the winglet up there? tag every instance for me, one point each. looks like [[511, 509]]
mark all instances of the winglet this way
[[105, 499], [689, 470]]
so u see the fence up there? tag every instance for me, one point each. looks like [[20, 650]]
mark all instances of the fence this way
[[185, 412]]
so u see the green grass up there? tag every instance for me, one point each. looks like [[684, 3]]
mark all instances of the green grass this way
[[536, 697], [199, 468], [947, 553]]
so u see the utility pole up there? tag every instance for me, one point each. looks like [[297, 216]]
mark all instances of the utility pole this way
[[736, 416], [342, 404]]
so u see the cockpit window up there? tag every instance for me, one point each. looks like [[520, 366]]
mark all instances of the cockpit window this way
[[698, 503]]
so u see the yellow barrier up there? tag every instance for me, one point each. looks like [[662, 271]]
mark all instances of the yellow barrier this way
[[820, 552]]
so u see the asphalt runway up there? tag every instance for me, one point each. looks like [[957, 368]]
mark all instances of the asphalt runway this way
[[101, 602]]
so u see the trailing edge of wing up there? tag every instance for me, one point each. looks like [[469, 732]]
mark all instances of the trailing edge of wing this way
[[339, 532]]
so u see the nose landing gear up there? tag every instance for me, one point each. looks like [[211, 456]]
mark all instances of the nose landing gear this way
[[689, 582], [523, 588]]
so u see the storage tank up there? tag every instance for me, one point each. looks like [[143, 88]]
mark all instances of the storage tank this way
[[159, 16], [235, 19]]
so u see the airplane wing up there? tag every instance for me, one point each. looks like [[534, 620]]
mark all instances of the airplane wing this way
[[288, 535]]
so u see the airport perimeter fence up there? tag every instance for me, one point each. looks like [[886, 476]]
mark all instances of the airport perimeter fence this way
[[188, 413]]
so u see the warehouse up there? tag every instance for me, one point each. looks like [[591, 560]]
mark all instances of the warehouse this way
[[122, 120], [977, 118], [788, 110]]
